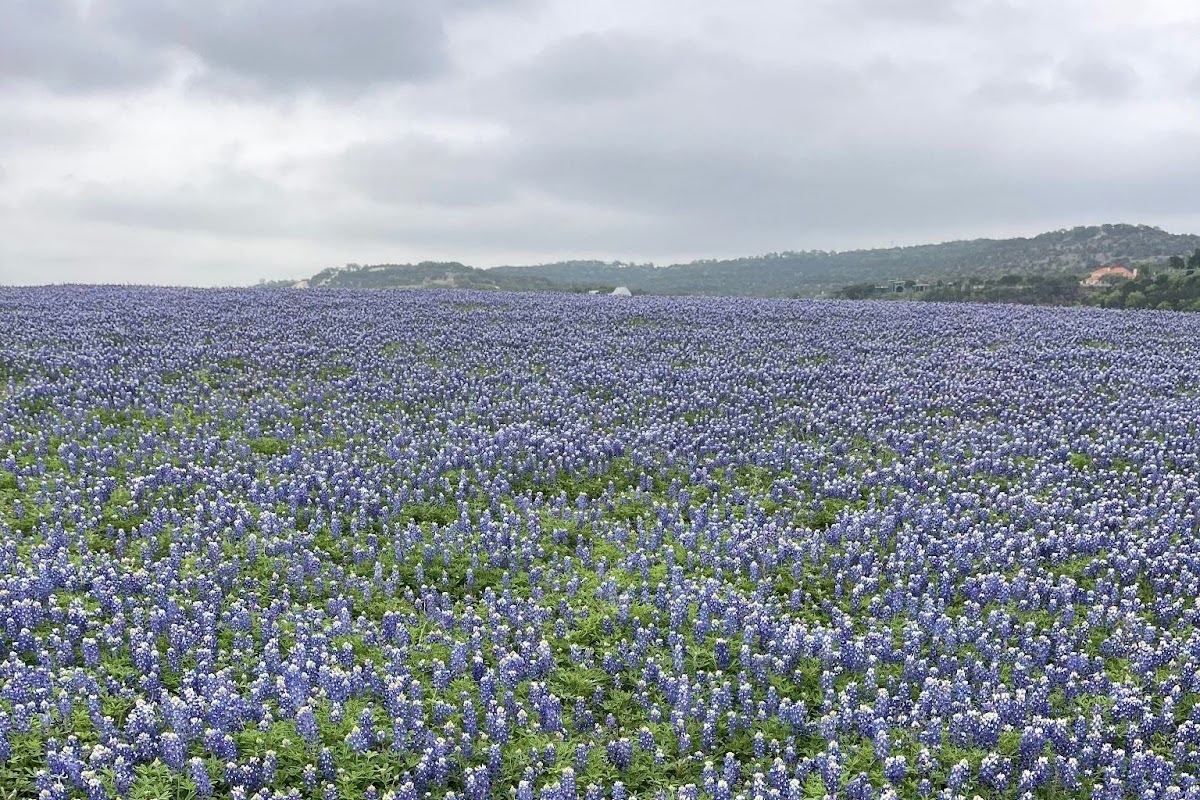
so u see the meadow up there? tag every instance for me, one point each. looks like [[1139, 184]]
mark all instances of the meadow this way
[[347, 544]]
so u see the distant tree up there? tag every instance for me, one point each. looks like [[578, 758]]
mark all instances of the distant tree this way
[[1194, 259], [858, 291], [1176, 262]]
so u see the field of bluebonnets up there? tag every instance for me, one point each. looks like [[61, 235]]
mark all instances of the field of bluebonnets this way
[[361, 545]]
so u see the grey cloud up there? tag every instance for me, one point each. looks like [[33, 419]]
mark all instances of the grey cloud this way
[[658, 179], [1079, 78], [246, 208], [640, 136], [603, 66], [708, 197], [1098, 77], [26, 126], [1009, 87], [667, 144], [724, 199], [915, 11], [262, 44], [58, 44], [464, 6], [723, 152], [664, 75], [229, 202], [244, 46], [581, 91], [482, 239], [420, 169]]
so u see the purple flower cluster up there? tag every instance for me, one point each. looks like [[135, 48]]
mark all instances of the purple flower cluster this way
[[411, 545]]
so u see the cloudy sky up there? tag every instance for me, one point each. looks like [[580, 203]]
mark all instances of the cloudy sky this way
[[220, 142]]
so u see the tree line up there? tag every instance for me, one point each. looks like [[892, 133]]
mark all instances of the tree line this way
[[1175, 288]]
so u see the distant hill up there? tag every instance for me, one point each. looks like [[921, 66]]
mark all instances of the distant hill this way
[[426, 275], [791, 273]]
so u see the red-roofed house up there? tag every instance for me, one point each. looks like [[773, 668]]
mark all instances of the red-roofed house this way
[[1104, 275]]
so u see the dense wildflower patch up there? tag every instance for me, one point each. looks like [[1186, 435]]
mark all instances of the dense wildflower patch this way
[[346, 544]]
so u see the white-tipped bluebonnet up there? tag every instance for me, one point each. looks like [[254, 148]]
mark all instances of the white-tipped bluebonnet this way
[[200, 778]]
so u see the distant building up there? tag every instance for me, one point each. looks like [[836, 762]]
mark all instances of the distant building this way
[[900, 287], [622, 291], [1100, 277]]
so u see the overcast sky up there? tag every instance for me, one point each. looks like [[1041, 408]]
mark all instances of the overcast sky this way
[[220, 142]]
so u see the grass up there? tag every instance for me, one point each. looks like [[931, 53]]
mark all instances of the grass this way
[[268, 446], [424, 513]]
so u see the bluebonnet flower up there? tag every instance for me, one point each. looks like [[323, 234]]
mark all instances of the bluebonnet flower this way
[[94, 789], [895, 769], [620, 753], [959, 775], [200, 778], [309, 777], [731, 770], [358, 740], [123, 777], [173, 751], [325, 764], [859, 787]]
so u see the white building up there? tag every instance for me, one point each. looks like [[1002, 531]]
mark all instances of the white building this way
[[622, 291]]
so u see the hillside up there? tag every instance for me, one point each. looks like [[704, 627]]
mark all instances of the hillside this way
[[426, 275], [791, 273]]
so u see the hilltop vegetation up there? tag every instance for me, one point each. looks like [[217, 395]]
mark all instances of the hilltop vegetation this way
[[795, 273], [1174, 290], [1036, 290], [426, 275], [1173, 286]]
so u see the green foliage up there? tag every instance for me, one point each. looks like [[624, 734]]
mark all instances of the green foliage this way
[[1080, 460], [11, 370], [18, 772], [268, 446], [1028, 289], [120, 512], [1177, 290], [859, 291], [429, 512], [35, 405], [620, 476], [827, 515]]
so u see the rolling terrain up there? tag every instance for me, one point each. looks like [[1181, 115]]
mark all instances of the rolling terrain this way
[[793, 273]]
